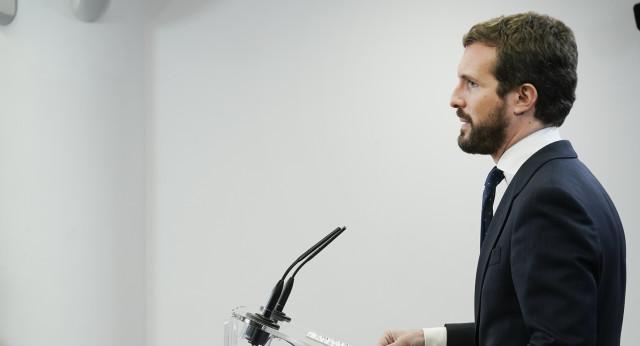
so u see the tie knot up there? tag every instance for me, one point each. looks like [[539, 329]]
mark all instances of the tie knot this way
[[494, 178]]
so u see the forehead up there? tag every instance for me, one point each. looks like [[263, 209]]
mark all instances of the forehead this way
[[477, 61]]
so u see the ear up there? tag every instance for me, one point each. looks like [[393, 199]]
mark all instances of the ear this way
[[526, 98]]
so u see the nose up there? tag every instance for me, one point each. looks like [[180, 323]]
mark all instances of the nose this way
[[456, 100]]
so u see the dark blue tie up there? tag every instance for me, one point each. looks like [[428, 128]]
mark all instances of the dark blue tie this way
[[489, 194]]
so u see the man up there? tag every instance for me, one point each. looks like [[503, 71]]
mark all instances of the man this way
[[552, 266]]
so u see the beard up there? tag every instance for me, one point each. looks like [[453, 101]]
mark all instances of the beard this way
[[485, 137]]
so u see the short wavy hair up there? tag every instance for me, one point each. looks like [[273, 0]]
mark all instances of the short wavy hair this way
[[537, 49]]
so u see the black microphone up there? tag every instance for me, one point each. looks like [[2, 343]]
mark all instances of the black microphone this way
[[254, 333], [636, 12], [286, 291]]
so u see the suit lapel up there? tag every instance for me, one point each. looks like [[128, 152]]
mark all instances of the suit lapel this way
[[556, 150]]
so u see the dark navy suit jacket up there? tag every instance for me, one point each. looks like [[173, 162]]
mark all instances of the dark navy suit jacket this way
[[552, 269]]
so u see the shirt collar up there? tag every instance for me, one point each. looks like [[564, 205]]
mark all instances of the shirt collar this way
[[520, 152]]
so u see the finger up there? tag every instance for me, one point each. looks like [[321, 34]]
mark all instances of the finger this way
[[386, 339]]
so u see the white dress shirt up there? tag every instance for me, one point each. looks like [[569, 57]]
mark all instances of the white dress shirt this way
[[509, 163]]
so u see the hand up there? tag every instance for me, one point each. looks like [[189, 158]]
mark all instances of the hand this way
[[402, 338]]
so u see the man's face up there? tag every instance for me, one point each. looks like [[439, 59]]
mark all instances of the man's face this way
[[480, 109]]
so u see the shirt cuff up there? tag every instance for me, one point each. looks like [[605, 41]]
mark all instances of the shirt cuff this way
[[435, 336]]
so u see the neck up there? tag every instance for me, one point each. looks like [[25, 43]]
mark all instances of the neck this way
[[516, 134]]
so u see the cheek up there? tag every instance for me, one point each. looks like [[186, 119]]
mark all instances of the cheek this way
[[484, 103]]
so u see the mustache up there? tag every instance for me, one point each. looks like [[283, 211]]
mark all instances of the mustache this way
[[463, 115]]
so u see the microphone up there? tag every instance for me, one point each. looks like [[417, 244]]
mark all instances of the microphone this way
[[286, 291], [254, 333], [636, 12]]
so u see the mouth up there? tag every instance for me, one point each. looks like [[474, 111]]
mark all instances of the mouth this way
[[465, 127], [465, 119]]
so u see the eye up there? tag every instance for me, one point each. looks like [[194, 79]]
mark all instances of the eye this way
[[471, 83]]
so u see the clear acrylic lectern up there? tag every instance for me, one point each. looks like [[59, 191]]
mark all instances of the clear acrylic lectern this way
[[242, 325]]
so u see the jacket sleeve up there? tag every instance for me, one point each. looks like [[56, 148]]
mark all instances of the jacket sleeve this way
[[461, 334]]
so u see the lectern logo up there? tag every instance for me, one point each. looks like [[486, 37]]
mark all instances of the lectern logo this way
[[325, 340]]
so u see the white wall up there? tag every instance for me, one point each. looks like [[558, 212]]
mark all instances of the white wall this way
[[272, 122], [72, 177]]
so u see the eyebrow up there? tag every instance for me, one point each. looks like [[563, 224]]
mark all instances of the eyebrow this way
[[466, 76]]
